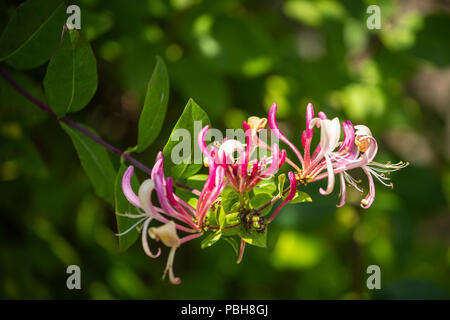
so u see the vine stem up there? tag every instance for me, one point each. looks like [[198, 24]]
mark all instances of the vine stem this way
[[275, 199], [44, 107]]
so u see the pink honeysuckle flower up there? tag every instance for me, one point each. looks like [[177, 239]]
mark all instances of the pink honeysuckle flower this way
[[171, 208], [332, 156], [242, 172]]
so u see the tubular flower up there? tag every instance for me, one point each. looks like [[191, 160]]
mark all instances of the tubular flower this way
[[171, 208], [237, 160], [332, 156]]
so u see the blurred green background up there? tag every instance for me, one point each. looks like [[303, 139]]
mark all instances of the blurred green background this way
[[235, 58]]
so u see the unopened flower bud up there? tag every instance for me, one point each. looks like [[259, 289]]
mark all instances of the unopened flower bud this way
[[257, 124]]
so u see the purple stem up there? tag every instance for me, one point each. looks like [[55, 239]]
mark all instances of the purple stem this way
[[44, 107], [275, 199]]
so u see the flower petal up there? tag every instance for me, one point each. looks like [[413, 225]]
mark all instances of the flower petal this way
[[127, 189]]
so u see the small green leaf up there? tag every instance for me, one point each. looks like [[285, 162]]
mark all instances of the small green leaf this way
[[254, 238], [123, 206], [230, 199], [301, 196], [265, 186], [281, 180], [192, 120], [221, 217], [261, 199], [95, 162], [155, 106], [232, 218], [232, 231], [211, 218], [71, 78], [32, 33], [197, 181], [211, 239], [235, 243]]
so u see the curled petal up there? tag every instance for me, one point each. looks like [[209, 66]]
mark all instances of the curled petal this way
[[304, 139], [343, 190], [330, 185], [309, 117], [322, 115], [202, 143], [169, 268], [349, 136], [290, 196], [145, 240], [145, 196], [362, 130], [127, 189], [274, 166], [276, 131], [248, 147], [368, 200], [282, 158], [293, 182]]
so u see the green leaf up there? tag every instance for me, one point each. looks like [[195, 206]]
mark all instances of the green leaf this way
[[254, 238], [155, 106], [301, 196], [211, 218], [232, 218], [230, 199], [261, 199], [197, 181], [71, 78], [32, 33], [211, 239], [281, 180], [123, 206], [235, 243], [231, 231], [95, 162], [221, 217], [185, 152], [265, 186]]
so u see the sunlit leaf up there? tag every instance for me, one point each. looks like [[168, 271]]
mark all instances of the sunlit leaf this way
[[265, 186], [230, 199], [254, 238], [211, 239], [182, 145], [261, 199], [301, 196]]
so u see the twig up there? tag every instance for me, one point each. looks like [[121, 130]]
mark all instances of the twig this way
[[44, 107]]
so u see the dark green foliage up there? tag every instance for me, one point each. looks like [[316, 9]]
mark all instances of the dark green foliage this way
[[233, 58]]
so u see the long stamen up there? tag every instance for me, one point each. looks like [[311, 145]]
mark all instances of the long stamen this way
[[130, 228]]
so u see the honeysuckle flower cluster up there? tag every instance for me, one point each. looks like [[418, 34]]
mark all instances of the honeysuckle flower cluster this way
[[332, 156], [234, 164]]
